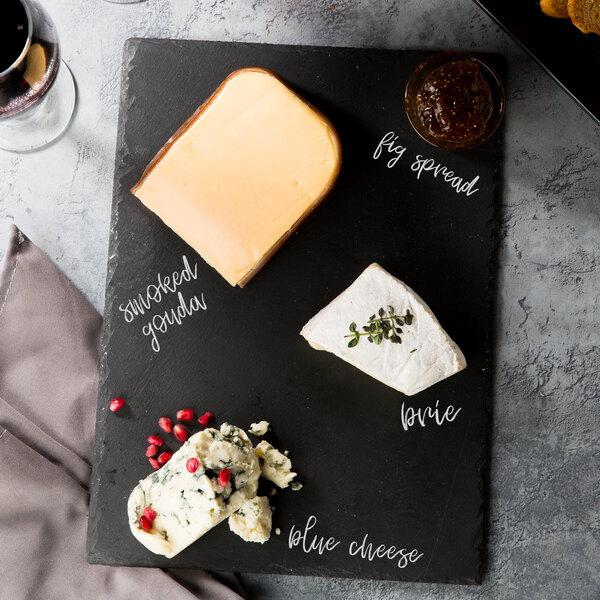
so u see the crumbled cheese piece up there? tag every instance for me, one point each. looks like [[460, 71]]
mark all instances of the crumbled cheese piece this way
[[252, 522], [426, 353], [278, 531], [259, 429], [274, 465], [190, 504], [296, 486]]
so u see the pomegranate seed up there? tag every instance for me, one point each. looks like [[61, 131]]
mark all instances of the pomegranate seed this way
[[164, 457], [165, 424], [151, 450], [180, 433], [155, 440], [116, 404], [154, 463], [205, 418], [192, 465], [224, 477], [149, 514], [187, 414], [145, 523]]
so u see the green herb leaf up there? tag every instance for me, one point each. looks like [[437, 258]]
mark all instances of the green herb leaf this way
[[382, 328]]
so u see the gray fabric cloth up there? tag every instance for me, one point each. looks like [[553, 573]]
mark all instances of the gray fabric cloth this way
[[49, 344]]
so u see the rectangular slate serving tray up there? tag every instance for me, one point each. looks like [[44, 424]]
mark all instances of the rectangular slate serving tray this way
[[569, 56], [364, 475]]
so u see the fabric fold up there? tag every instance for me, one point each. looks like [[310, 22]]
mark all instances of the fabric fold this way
[[49, 347]]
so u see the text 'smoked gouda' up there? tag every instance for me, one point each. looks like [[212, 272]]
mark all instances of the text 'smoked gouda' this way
[[242, 172]]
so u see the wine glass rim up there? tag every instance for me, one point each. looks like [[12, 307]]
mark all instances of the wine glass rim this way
[[27, 43]]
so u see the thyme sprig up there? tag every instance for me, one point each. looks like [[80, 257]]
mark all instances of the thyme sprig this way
[[386, 327]]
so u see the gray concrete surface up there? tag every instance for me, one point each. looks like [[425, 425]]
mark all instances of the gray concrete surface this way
[[545, 507]]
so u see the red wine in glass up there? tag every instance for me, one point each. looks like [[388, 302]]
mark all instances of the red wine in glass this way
[[30, 78]]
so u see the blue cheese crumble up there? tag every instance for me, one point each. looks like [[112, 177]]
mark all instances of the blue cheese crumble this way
[[187, 505]]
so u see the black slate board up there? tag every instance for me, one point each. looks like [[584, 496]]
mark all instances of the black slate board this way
[[569, 56], [243, 359]]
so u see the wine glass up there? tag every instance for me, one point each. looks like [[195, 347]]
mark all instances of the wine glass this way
[[37, 91]]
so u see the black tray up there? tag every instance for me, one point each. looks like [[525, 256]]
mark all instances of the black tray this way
[[570, 57]]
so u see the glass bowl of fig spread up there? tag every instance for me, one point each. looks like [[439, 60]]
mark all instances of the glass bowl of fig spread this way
[[454, 100]]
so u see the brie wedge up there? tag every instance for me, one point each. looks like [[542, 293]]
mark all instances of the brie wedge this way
[[426, 353], [190, 504], [252, 522]]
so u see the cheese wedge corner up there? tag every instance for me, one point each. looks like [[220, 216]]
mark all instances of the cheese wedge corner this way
[[239, 176]]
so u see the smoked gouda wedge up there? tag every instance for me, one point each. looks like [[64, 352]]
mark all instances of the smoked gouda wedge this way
[[242, 172]]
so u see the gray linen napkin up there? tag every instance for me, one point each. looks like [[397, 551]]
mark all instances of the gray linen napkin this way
[[49, 347]]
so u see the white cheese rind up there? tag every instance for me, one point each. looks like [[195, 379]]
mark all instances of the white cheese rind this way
[[260, 428], [253, 521], [274, 465], [190, 504], [425, 356]]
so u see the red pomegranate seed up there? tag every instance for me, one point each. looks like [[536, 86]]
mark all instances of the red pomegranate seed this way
[[205, 418], [164, 457], [149, 514], [165, 424], [180, 433], [187, 414], [151, 450], [154, 463], [155, 440], [145, 523], [116, 404], [224, 477], [192, 465]]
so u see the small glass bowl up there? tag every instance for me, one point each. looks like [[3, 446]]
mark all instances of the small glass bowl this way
[[416, 82]]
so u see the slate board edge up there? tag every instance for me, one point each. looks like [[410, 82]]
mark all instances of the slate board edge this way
[[485, 463], [130, 48]]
